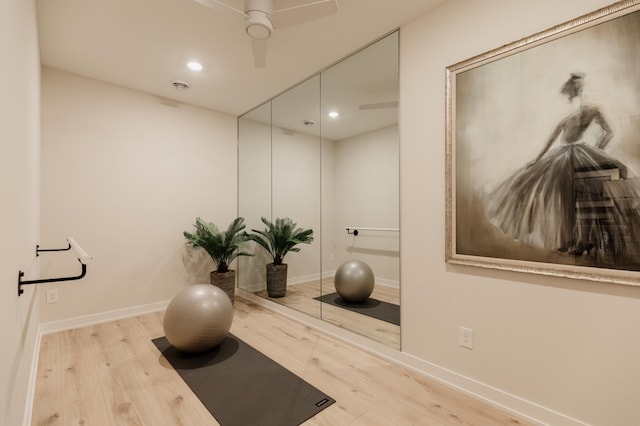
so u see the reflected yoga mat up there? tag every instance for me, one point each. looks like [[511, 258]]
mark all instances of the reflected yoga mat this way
[[373, 308], [241, 386]]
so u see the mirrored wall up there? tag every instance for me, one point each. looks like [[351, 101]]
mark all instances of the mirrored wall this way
[[325, 154]]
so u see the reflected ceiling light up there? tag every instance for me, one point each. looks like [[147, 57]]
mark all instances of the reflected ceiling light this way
[[180, 85], [334, 114], [194, 66]]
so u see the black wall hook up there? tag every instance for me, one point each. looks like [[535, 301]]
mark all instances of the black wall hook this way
[[38, 249], [48, 280]]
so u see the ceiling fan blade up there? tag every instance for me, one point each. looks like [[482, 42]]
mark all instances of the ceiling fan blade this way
[[259, 52], [287, 13], [379, 105], [236, 6]]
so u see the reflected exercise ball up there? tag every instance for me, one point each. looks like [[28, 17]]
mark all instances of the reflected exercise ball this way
[[354, 281], [198, 318]]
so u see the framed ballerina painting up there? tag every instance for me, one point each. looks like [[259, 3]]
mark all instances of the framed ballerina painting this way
[[543, 152]]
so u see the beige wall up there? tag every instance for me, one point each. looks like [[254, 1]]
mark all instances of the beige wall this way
[[125, 173], [20, 217], [568, 345]]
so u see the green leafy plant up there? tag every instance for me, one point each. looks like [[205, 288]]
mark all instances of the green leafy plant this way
[[223, 247], [280, 237]]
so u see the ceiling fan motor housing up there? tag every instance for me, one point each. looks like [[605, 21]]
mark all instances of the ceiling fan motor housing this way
[[258, 25]]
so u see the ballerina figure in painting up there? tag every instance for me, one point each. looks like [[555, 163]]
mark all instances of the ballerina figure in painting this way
[[573, 198]]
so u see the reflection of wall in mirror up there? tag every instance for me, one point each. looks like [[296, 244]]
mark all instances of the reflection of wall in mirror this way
[[296, 194], [367, 194], [254, 172], [254, 195]]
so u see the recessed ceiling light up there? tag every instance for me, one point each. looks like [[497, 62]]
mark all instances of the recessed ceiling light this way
[[194, 66], [334, 114]]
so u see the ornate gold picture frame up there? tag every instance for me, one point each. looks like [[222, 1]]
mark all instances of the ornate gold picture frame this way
[[543, 152]]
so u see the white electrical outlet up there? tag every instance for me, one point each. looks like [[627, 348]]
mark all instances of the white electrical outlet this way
[[52, 296], [465, 337]]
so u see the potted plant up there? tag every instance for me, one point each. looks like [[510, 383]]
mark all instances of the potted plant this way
[[223, 247], [279, 238]]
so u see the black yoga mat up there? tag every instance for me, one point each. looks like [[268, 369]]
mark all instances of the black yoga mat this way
[[241, 386], [371, 307]]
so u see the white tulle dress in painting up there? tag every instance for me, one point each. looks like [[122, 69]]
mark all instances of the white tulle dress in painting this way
[[574, 198]]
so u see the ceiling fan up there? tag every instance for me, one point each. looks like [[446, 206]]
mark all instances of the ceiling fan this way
[[263, 16]]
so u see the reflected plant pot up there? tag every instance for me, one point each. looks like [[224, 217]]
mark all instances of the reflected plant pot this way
[[226, 281], [276, 280]]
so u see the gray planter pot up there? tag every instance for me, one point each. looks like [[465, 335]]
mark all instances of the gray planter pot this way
[[226, 281], [276, 280]]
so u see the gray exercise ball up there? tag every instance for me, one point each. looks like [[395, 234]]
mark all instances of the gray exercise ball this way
[[354, 281], [198, 318]]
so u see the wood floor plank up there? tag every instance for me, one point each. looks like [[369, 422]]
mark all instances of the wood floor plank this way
[[47, 398], [112, 374]]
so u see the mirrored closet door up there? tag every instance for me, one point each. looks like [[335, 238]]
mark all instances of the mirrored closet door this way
[[325, 154]]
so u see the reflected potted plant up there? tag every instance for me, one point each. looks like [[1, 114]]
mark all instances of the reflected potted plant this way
[[279, 238], [223, 247]]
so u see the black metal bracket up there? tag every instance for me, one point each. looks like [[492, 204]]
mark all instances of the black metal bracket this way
[[49, 280], [38, 249], [354, 232]]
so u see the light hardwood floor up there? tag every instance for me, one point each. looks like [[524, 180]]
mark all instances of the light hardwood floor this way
[[301, 298], [112, 374]]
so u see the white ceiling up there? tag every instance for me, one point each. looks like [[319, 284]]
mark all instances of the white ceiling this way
[[145, 44]]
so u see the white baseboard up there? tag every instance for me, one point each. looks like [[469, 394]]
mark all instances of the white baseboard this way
[[379, 281], [254, 288], [387, 283], [531, 411], [77, 322]]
